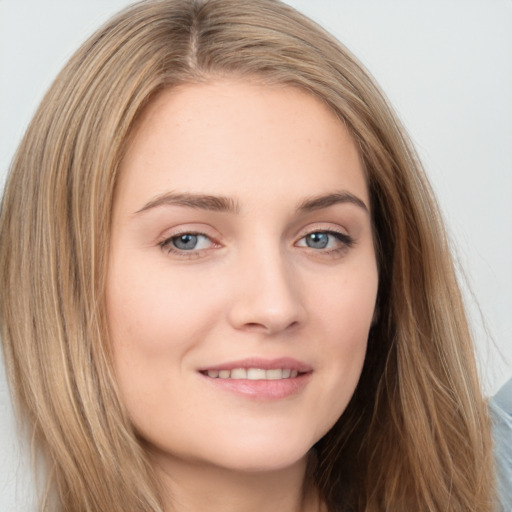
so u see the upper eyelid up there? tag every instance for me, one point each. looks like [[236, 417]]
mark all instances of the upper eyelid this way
[[168, 238], [324, 227], [191, 229], [341, 236], [327, 231], [215, 236], [300, 234]]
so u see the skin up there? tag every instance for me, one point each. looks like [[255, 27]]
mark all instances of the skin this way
[[252, 287]]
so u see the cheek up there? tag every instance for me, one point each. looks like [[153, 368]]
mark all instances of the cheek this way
[[344, 310], [345, 305], [156, 319], [156, 311], [144, 333]]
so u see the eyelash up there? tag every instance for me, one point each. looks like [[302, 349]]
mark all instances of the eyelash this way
[[169, 248], [346, 242], [167, 244]]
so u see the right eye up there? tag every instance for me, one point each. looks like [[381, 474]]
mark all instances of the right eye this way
[[186, 242]]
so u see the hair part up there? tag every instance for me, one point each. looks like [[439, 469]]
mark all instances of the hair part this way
[[415, 435]]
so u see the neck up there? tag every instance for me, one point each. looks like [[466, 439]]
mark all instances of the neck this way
[[195, 487]]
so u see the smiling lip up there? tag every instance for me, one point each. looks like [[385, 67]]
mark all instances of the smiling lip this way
[[262, 379]]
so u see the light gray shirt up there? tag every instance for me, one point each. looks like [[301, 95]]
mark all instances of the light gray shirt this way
[[501, 415]]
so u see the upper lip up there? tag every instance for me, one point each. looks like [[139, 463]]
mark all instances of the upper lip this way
[[264, 364]]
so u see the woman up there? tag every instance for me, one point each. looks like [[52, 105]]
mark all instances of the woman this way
[[175, 212]]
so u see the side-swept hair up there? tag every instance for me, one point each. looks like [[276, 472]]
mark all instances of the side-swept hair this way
[[415, 436]]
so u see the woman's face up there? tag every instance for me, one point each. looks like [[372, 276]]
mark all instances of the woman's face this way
[[242, 276]]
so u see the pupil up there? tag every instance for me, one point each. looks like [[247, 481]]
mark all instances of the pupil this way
[[186, 242], [317, 240]]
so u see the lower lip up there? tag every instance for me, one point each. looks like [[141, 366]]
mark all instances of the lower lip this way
[[262, 389]]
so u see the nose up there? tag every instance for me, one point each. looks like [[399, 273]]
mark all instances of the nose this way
[[266, 296]]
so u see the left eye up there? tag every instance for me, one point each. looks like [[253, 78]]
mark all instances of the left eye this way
[[187, 242], [324, 240]]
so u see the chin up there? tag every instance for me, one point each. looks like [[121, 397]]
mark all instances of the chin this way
[[265, 453], [262, 461]]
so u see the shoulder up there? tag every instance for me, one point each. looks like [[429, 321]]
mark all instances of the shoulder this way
[[501, 415]]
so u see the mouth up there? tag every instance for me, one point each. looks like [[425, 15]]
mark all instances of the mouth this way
[[260, 378], [253, 374]]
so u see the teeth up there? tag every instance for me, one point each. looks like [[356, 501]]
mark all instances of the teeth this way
[[256, 374], [239, 373], [253, 374], [275, 374]]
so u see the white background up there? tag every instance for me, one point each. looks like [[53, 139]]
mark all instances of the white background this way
[[446, 66]]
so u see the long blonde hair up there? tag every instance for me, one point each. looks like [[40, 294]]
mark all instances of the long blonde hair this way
[[415, 435]]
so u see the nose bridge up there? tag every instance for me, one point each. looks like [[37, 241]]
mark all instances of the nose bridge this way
[[267, 296]]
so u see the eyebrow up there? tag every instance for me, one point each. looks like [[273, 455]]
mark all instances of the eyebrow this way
[[196, 201], [229, 205], [324, 201]]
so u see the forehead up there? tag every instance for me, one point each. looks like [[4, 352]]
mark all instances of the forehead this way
[[234, 137]]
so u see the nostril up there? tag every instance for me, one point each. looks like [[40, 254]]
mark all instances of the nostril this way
[[292, 325], [255, 326]]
